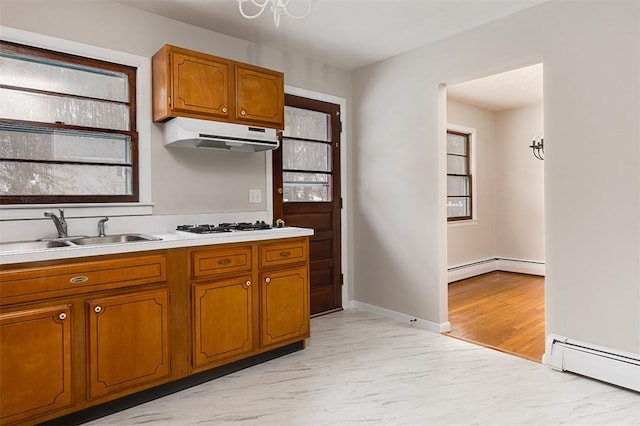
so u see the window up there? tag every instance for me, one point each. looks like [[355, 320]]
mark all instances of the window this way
[[459, 196], [306, 156], [67, 128]]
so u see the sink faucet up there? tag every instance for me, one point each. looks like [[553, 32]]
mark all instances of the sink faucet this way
[[101, 226], [61, 224]]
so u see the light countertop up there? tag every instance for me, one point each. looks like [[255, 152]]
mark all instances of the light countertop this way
[[169, 240]]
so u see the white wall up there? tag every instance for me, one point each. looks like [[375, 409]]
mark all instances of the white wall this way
[[474, 241], [519, 185], [510, 188], [183, 181], [590, 52]]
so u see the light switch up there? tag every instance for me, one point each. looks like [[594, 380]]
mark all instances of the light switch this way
[[255, 196]]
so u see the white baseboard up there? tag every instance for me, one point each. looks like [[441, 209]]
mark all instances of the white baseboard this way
[[462, 272], [399, 316], [521, 266], [604, 364]]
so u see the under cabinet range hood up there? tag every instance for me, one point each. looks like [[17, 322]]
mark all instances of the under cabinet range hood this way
[[192, 133]]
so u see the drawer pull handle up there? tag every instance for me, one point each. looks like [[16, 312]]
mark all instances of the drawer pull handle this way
[[224, 261], [248, 283], [62, 316], [267, 280], [285, 253], [80, 279], [97, 309]]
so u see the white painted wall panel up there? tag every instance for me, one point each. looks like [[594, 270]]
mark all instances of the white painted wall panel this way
[[590, 52], [519, 185], [475, 241]]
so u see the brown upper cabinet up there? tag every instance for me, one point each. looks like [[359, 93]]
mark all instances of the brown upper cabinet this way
[[192, 84]]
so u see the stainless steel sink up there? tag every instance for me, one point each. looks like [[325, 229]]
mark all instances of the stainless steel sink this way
[[18, 246], [32, 245], [114, 239]]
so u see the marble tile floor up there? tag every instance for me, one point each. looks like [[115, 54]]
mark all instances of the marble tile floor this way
[[363, 369]]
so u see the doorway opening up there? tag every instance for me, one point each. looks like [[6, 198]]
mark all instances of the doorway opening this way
[[495, 251]]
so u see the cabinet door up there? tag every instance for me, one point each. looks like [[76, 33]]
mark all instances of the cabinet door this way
[[200, 86], [259, 96], [284, 305], [222, 323], [128, 338], [35, 362]]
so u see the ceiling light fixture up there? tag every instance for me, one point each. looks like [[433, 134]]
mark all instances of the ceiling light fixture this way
[[278, 7]]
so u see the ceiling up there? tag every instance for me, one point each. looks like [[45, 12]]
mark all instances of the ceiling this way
[[499, 92], [350, 34]]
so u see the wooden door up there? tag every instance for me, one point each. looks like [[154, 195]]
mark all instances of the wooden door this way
[[222, 319], [128, 341], [306, 178], [284, 313], [35, 362], [259, 96], [201, 86]]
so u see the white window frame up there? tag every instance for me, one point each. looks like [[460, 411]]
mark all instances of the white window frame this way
[[143, 113], [472, 169]]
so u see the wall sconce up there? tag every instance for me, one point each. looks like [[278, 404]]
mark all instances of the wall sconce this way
[[538, 148]]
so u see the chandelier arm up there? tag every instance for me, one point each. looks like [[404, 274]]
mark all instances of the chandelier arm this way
[[257, 3], [304, 15]]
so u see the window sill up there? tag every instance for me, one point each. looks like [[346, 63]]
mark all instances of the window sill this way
[[458, 223], [36, 211]]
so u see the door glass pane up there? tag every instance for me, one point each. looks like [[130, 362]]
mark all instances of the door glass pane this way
[[306, 187], [456, 144], [300, 155], [457, 165], [57, 145], [458, 207], [306, 124], [457, 185], [68, 179]]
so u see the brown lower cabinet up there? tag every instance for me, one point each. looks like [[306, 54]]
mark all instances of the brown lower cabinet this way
[[128, 341], [222, 320], [35, 362], [82, 332]]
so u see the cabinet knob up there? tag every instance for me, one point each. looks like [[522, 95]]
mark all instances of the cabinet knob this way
[[243, 112], [267, 280], [62, 316], [97, 309], [248, 283], [224, 109]]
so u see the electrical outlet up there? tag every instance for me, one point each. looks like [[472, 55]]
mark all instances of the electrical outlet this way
[[255, 196]]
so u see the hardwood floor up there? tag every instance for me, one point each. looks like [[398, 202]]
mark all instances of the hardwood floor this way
[[501, 310]]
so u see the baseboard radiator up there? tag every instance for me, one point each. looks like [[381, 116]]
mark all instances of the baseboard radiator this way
[[461, 272], [611, 366]]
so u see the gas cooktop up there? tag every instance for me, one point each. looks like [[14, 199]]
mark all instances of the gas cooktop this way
[[224, 227]]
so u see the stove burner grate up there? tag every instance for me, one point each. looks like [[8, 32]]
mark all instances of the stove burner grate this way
[[224, 227]]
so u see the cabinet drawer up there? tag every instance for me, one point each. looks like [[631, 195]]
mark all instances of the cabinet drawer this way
[[283, 253], [205, 263], [61, 280]]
